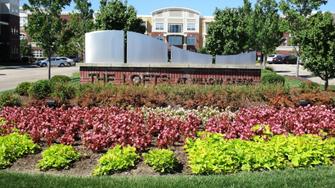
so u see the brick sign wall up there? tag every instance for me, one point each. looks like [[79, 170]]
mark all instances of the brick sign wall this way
[[169, 75]]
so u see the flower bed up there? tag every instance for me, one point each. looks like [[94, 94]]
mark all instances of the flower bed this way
[[102, 128]]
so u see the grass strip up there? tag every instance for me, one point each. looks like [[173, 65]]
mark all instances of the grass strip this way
[[316, 177]]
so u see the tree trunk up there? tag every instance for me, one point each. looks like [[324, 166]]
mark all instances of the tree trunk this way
[[297, 73], [265, 58], [326, 84]]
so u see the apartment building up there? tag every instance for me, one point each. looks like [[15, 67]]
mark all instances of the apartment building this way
[[9, 31], [182, 27]]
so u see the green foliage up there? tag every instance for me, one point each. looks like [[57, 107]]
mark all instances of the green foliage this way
[[296, 13], [266, 26], [60, 79], [63, 92], [116, 159], [40, 89], [237, 30], [45, 24], [115, 15], [162, 160], [58, 156], [81, 22], [14, 146], [273, 79], [212, 154], [23, 88], [228, 33], [2, 121], [9, 98], [318, 46], [25, 48]]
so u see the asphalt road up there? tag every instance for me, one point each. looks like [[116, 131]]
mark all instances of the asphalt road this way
[[11, 76], [290, 70]]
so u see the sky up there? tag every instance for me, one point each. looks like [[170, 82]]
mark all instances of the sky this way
[[205, 7]]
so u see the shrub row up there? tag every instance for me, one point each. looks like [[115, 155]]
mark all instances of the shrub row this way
[[14, 146], [212, 154], [188, 96], [119, 159]]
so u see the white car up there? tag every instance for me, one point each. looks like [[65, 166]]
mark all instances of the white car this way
[[271, 57], [69, 61], [55, 61]]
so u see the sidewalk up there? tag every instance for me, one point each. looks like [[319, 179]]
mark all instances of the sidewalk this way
[[290, 70]]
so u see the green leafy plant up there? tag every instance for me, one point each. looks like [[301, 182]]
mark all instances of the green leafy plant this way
[[116, 159], [273, 79], [60, 79], [9, 98], [40, 89], [14, 146], [58, 156], [23, 88], [62, 92], [162, 160], [212, 154]]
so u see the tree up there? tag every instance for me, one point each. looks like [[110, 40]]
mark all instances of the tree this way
[[266, 22], [115, 15], [296, 12], [227, 34], [25, 48], [318, 46], [73, 33], [45, 24]]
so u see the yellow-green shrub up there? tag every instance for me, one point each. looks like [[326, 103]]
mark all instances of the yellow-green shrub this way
[[14, 146], [162, 160], [212, 154], [58, 156], [116, 159]]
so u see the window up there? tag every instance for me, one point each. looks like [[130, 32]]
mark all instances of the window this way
[[190, 26], [191, 41], [175, 28], [207, 26], [160, 26], [175, 40], [38, 54]]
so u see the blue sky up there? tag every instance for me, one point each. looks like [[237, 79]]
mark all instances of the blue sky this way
[[205, 7]]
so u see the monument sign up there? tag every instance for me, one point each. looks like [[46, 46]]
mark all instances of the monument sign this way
[[142, 59]]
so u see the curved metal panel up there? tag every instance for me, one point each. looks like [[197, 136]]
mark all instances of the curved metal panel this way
[[248, 58], [180, 56], [104, 47], [145, 49]]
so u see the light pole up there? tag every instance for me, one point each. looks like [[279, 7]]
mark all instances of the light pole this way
[[50, 45], [125, 35]]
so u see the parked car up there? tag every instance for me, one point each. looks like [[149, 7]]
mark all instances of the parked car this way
[[76, 59], [69, 61], [270, 58], [290, 59], [278, 59], [55, 61], [282, 59]]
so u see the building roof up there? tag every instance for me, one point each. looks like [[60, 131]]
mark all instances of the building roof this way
[[175, 8]]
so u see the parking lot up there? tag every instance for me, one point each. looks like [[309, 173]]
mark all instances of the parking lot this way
[[10, 76]]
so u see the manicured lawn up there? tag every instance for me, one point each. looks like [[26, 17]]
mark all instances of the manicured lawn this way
[[318, 177]]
